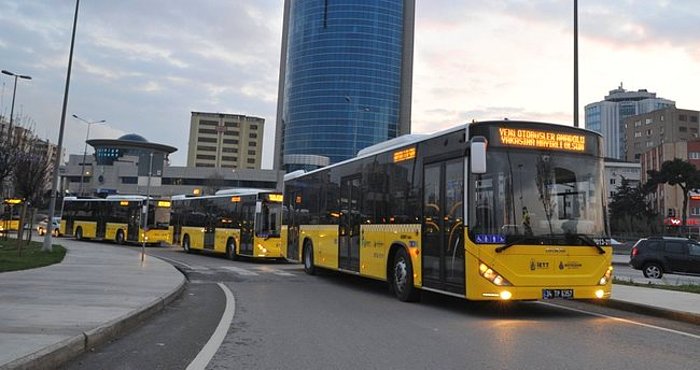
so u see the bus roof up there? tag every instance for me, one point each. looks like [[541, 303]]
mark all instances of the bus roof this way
[[398, 142]]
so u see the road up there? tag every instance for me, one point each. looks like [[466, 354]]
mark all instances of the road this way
[[285, 319]]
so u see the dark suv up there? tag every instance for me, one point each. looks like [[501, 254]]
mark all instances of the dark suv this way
[[656, 255]]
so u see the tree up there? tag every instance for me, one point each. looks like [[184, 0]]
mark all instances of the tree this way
[[9, 150], [630, 211], [677, 173], [30, 178]]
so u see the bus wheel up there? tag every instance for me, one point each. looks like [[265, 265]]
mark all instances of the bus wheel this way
[[79, 233], [186, 244], [120, 237], [309, 259], [402, 278], [231, 250]]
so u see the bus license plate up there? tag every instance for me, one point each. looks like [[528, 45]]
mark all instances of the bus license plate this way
[[557, 293]]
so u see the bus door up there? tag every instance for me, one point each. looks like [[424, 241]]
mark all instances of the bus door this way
[[443, 225], [247, 215], [292, 222], [209, 233], [349, 226], [132, 229]]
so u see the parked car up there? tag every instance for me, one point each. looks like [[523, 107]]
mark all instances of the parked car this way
[[658, 255], [55, 226]]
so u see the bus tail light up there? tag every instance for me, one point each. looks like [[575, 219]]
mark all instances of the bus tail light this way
[[492, 276], [606, 277]]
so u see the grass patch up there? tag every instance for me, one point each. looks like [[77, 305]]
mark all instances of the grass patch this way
[[688, 288], [32, 256]]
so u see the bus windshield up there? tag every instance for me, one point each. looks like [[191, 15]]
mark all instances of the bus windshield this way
[[535, 197], [158, 216], [268, 222]]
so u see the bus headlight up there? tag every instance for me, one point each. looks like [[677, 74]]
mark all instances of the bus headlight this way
[[606, 277], [492, 276]]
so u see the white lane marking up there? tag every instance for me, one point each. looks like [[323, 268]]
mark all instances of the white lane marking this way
[[209, 350], [281, 273], [624, 320], [173, 261], [240, 271]]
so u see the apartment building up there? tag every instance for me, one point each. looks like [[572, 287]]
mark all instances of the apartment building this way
[[222, 140], [649, 130]]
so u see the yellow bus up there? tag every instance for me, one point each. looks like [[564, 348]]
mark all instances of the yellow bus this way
[[117, 218], [237, 222], [499, 210]]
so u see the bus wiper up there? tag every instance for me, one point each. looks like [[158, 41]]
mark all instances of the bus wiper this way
[[588, 241], [512, 243]]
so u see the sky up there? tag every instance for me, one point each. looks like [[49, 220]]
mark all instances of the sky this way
[[143, 66]]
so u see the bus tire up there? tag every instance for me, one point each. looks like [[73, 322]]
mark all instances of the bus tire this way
[[79, 233], [231, 249], [308, 255], [186, 244], [120, 237], [402, 278]]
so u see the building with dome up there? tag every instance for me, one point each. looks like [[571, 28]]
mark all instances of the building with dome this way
[[122, 166]]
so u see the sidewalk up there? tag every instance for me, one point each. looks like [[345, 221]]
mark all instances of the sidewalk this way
[[52, 314]]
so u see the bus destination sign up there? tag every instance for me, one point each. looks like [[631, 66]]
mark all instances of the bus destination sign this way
[[542, 139], [404, 154]]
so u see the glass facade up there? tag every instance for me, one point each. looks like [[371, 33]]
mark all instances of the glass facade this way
[[342, 81]]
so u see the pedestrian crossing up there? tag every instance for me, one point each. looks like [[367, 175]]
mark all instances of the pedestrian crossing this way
[[248, 271]]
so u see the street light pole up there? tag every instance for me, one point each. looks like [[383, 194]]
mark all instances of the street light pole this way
[[575, 63], [87, 136], [145, 208], [14, 92], [54, 183]]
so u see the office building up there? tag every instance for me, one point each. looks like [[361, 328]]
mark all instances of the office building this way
[[668, 125], [607, 116], [345, 78], [221, 140], [122, 166], [617, 171]]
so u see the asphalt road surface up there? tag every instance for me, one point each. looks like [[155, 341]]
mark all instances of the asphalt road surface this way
[[629, 274], [285, 319]]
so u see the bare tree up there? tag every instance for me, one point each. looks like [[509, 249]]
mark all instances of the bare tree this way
[[30, 178]]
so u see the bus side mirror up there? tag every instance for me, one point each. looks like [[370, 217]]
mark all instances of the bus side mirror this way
[[478, 154]]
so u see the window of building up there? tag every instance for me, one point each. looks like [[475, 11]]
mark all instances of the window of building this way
[[253, 127], [207, 140], [251, 160], [251, 152], [661, 130], [637, 123], [649, 144], [682, 117], [648, 121], [638, 134], [208, 123], [231, 124], [682, 129], [229, 150], [203, 164], [253, 135], [230, 141], [661, 118], [252, 143], [207, 131], [231, 133], [694, 119], [694, 155], [612, 181], [229, 158], [204, 148], [206, 156], [130, 180], [612, 194], [649, 132]]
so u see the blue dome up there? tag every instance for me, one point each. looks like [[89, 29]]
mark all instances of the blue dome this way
[[133, 137]]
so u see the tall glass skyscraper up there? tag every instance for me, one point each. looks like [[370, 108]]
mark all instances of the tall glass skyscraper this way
[[345, 78]]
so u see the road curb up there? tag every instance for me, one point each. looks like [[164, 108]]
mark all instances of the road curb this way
[[650, 310], [59, 353]]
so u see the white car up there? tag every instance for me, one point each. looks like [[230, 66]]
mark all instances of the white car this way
[[55, 225]]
